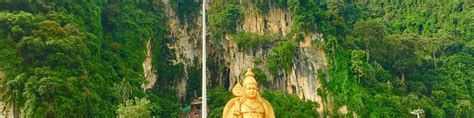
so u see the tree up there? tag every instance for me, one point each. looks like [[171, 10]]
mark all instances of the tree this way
[[403, 58], [55, 46], [359, 64], [135, 108], [440, 44], [218, 97], [50, 93], [371, 32]]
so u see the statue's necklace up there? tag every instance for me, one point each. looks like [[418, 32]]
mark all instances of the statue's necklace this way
[[253, 107]]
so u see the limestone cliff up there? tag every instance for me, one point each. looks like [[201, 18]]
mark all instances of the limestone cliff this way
[[5, 111], [187, 37], [148, 70], [228, 63], [303, 78]]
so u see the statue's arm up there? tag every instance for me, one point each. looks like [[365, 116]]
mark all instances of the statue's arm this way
[[228, 111], [269, 113]]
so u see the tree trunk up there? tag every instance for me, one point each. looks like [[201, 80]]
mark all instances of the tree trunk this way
[[434, 60], [16, 113], [402, 78], [358, 79], [367, 50]]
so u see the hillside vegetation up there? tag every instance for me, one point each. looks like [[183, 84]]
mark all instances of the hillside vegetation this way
[[386, 57]]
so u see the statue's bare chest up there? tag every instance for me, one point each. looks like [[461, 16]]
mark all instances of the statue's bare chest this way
[[252, 110]]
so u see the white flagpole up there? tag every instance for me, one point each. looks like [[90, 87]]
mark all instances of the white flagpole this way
[[204, 91]]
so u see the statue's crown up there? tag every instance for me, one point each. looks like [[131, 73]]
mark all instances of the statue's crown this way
[[249, 78]]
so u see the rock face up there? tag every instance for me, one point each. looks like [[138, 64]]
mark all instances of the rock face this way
[[231, 63], [276, 21], [5, 112], [148, 69], [302, 79], [187, 44]]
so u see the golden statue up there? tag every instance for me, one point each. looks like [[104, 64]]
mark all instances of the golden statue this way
[[248, 103]]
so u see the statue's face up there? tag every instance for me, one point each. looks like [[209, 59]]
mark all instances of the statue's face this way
[[251, 91]]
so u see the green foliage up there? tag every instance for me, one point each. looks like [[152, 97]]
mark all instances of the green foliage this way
[[250, 41], [343, 86], [193, 89], [51, 92], [288, 106], [220, 22], [281, 57], [82, 59], [165, 104], [359, 64], [281, 3], [369, 30], [386, 106], [399, 53], [135, 108], [30, 6], [186, 10], [403, 57], [262, 6], [18, 24], [304, 14], [261, 77], [427, 18], [456, 77], [370, 35], [55, 46], [218, 97], [404, 54]]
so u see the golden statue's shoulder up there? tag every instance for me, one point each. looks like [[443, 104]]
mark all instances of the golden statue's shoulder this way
[[230, 103]]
